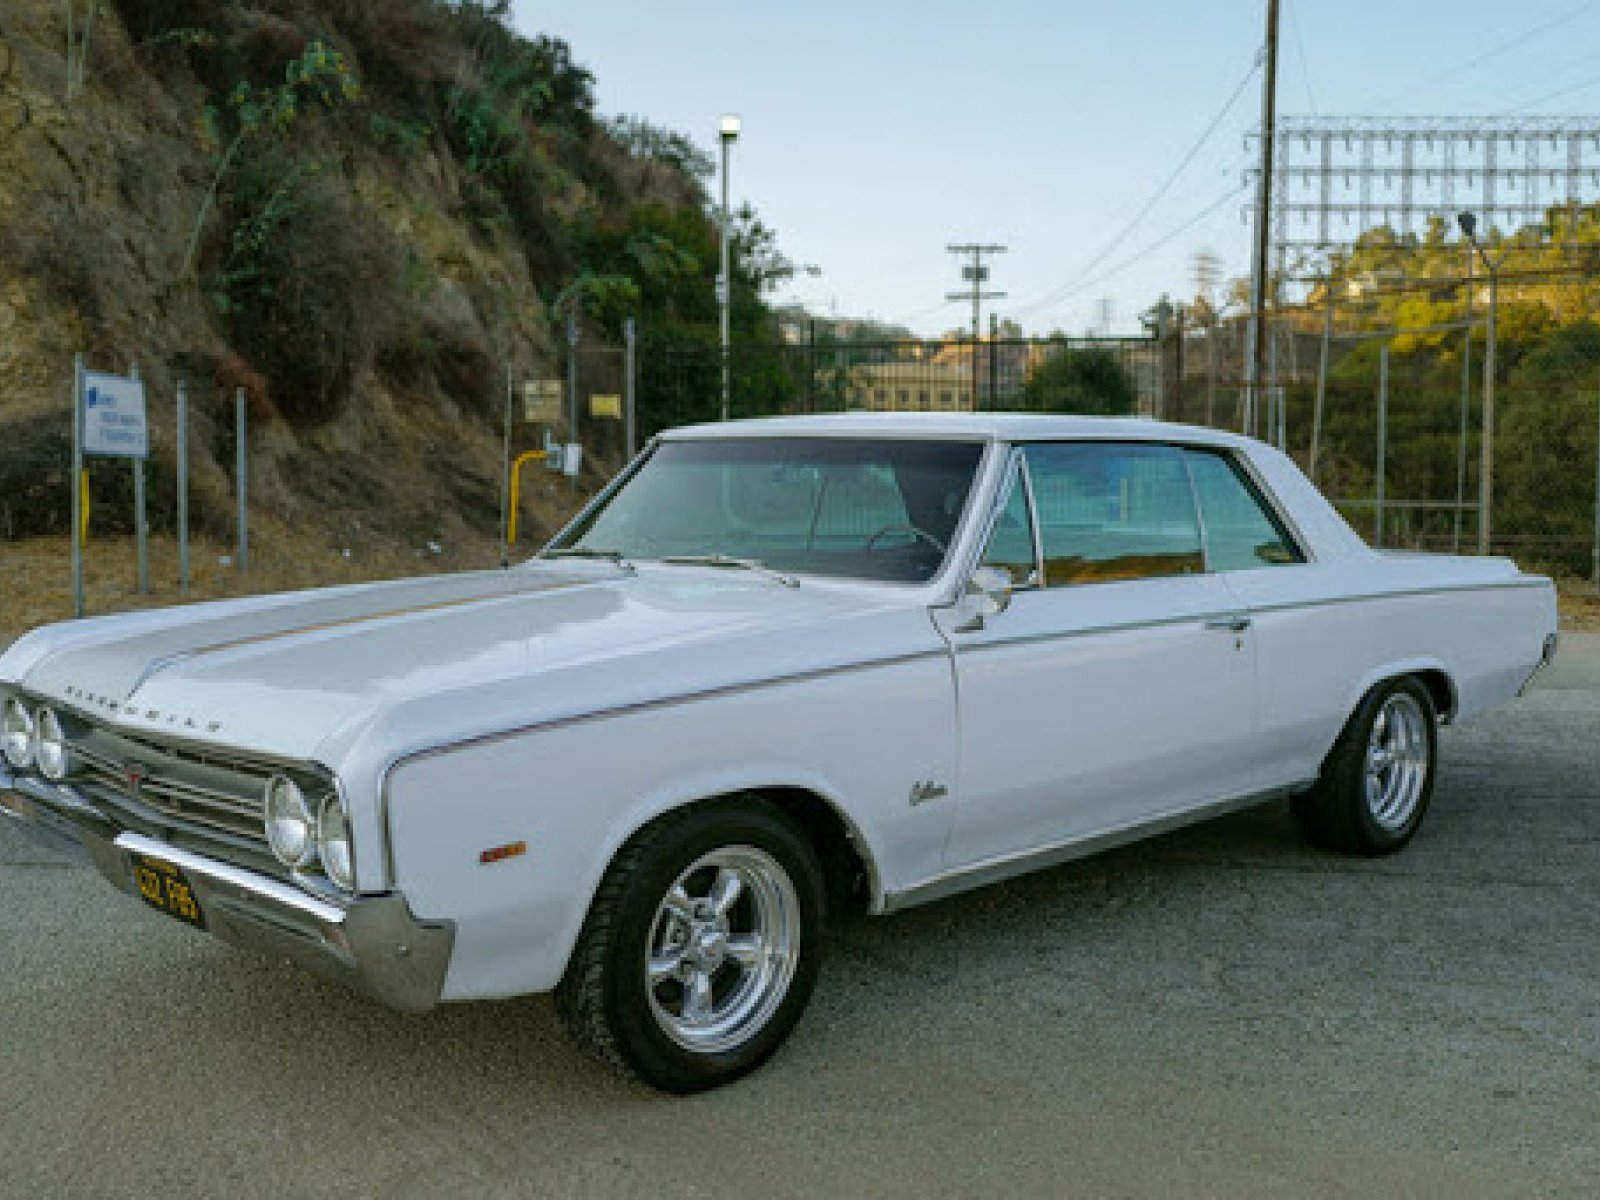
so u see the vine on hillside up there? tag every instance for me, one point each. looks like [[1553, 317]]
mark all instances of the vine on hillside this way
[[320, 76]]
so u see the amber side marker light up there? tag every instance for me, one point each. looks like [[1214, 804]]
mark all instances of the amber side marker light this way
[[499, 853]]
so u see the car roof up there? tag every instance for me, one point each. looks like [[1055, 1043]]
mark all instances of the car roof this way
[[991, 427]]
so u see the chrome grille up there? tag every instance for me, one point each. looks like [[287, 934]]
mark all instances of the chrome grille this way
[[196, 789]]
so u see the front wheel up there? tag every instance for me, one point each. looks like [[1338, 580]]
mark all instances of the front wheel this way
[[1378, 779], [701, 948]]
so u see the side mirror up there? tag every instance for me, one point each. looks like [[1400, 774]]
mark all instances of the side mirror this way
[[988, 594]]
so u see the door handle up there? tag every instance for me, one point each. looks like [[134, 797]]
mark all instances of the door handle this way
[[1235, 624]]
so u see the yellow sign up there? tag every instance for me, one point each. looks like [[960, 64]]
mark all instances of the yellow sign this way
[[606, 406], [541, 401]]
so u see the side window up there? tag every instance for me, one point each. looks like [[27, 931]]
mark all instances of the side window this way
[[1241, 534], [1011, 543], [1113, 511]]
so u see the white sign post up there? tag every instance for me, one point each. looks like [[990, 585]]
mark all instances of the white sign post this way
[[109, 421]]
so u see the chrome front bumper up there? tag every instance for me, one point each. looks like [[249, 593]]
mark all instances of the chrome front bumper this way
[[371, 944]]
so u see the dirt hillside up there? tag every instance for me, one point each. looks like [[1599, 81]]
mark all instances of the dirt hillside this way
[[361, 214]]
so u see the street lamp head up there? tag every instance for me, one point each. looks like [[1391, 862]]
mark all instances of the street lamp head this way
[[1469, 225], [730, 127]]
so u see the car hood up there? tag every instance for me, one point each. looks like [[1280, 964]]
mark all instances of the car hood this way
[[305, 675]]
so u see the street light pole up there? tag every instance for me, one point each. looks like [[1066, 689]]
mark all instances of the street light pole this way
[[729, 133]]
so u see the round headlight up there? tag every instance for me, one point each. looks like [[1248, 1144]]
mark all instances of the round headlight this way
[[16, 734], [291, 829], [50, 746], [333, 843]]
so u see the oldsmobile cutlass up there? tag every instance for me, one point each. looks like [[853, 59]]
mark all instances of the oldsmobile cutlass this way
[[778, 670]]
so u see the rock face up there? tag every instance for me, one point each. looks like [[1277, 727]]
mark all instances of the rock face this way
[[373, 262]]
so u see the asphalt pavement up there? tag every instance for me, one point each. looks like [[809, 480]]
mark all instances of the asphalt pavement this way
[[1220, 1012]]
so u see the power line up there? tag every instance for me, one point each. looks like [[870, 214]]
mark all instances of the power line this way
[[1159, 194], [1139, 256], [1504, 47], [1558, 93], [1300, 53]]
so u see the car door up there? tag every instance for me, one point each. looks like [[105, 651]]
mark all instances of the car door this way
[[1117, 686], [1309, 653]]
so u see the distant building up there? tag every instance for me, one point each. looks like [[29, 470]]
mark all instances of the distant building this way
[[909, 387]]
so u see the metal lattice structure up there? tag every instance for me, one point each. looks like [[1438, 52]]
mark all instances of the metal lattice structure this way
[[1335, 178]]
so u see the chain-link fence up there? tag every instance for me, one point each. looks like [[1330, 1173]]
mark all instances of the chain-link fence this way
[[681, 384], [1390, 424]]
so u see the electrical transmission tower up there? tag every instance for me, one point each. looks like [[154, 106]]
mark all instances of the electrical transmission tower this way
[[1335, 178]]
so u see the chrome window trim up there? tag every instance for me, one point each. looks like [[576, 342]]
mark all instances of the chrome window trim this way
[[1014, 469], [1199, 512], [940, 581], [1268, 498], [1039, 580], [1255, 610]]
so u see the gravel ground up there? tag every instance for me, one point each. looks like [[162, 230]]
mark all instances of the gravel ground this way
[[1220, 1012]]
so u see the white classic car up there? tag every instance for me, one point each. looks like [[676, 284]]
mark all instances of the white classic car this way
[[779, 669]]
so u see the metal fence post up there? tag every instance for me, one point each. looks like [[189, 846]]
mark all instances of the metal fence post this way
[[1486, 472], [141, 515], [242, 476], [1322, 381], [1596, 559], [811, 365], [572, 399], [183, 486], [1211, 372], [1466, 401], [505, 473], [994, 360], [630, 336], [77, 485], [1383, 435]]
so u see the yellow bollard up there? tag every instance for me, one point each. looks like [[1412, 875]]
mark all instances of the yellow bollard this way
[[516, 490], [83, 529]]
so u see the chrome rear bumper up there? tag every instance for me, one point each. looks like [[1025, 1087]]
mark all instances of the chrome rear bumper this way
[[1546, 656], [371, 944]]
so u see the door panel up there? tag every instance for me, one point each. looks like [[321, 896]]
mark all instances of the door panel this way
[[1117, 690]]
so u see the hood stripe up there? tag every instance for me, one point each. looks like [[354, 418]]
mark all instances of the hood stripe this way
[[161, 664]]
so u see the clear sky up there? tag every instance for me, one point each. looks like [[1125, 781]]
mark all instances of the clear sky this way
[[877, 132]]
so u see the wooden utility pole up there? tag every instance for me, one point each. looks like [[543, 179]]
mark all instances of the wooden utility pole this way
[[976, 274], [1255, 369]]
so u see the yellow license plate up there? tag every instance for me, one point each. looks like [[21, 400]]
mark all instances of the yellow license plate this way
[[161, 885]]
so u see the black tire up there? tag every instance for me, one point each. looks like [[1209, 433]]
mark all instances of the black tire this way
[[1340, 812], [606, 999]]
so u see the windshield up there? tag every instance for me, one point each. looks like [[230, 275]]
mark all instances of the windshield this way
[[851, 507]]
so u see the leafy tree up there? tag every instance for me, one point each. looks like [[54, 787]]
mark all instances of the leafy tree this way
[[1087, 381]]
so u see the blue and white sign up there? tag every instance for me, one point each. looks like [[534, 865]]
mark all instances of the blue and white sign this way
[[114, 423]]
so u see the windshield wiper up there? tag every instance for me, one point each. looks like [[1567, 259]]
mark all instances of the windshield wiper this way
[[610, 556], [728, 560]]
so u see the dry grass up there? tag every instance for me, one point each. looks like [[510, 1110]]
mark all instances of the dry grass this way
[[1580, 607]]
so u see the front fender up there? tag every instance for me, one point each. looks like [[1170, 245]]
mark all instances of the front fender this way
[[575, 792]]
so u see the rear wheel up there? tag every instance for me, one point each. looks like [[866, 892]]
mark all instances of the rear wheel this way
[[1378, 779], [701, 948]]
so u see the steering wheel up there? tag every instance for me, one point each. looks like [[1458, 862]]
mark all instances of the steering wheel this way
[[921, 535]]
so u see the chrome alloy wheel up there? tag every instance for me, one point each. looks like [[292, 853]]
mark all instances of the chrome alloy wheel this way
[[723, 948], [1397, 761]]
